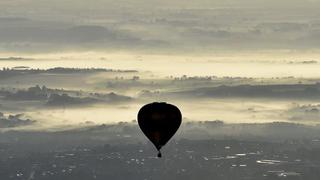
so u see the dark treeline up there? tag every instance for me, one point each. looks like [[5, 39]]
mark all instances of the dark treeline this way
[[14, 121], [7, 72], [58, 97]]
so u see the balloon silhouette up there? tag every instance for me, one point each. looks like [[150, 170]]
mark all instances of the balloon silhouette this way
[[159, 121]]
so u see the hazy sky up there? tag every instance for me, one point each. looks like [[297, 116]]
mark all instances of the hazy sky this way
[[158, 26]]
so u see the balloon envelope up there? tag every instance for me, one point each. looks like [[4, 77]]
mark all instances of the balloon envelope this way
[[159, 122]]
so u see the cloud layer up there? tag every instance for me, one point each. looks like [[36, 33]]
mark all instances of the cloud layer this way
[[38, 26]]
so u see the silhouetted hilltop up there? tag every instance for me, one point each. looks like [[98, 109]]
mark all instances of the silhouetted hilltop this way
[[65, 100], [295, 91]]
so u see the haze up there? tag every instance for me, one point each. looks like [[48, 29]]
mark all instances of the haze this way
[[244, 73]]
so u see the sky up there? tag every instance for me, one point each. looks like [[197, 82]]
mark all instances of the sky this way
[[156, 26]]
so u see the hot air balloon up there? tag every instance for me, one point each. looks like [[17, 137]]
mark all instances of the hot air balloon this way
[[159, 121]]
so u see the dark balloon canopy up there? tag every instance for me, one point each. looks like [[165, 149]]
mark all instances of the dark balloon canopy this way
[[159, 121]]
